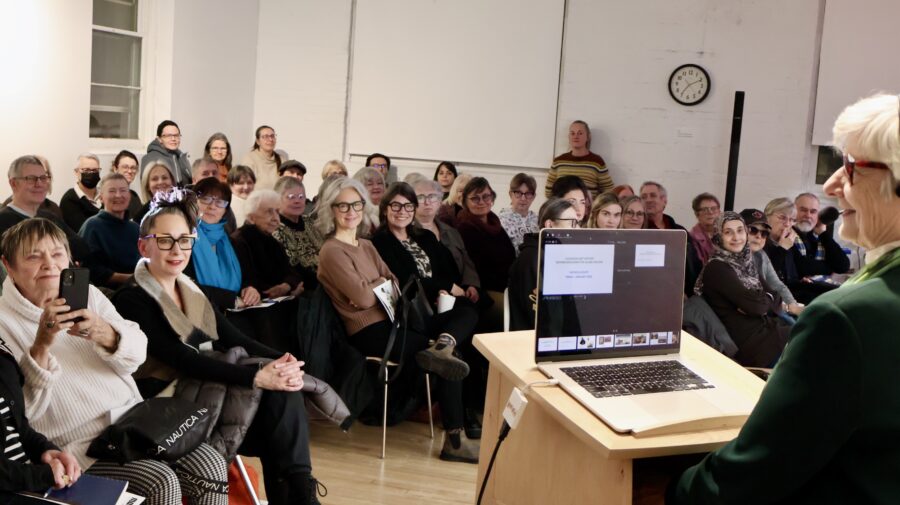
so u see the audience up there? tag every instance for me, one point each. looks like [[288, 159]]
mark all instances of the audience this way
[[706, 208], [373, 180], [382, 163], [489, 246], [155, 178], [334, 167], [606, 212], [580, 162], [83, 200], [633, 216], [165, 149], [263, 159], [126, 163], [453, 202], [574, 190], [555, 213], [731, 284], [176, 316], [349, 269], [111, 236], [758, 230], [445, 174], [47, 205], [203, 168], [292, 168], [241, 182], [292, 233], [76, 371], [219, 149], [518, 219], [816, 251], [623, 190], [655, 199]]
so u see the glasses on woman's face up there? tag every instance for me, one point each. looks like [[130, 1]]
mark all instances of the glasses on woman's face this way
[[167, 242], [639, 214], [429, 198], [486, 198], [397, 206], [758, 232], [567, 223], [784, 218], [213, 200], [344, 207], [851, 164], [268, 136], [519, 194]]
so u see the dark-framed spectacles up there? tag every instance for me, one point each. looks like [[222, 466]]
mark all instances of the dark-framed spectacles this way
[[344, 207], [519, 194], [167, 242], [212, 200], [573, 223], [397, 206], [479, 199], [850, 165], [429, 198], [34, 179], [755, 230], [379, 165]]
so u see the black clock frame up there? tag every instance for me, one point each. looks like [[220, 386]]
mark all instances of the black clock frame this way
[[708, 88]]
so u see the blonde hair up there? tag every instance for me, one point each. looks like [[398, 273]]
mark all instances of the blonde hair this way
[[873, 124], [603, 201], [325, 212], [460, 182], [779, 205], [333, 164]]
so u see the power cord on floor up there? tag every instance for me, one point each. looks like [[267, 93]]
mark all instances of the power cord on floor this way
[[515, 407]]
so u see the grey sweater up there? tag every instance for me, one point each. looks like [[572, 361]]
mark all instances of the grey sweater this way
[[767, 272]]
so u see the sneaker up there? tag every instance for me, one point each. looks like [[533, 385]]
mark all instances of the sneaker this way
[[467, 452], [439, 360]]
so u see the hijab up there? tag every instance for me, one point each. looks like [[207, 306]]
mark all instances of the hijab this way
[[741, 262]]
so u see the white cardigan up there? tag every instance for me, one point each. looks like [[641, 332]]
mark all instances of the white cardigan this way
[[70, 402]]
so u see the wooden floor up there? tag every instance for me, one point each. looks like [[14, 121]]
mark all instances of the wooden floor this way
[[349, 464]]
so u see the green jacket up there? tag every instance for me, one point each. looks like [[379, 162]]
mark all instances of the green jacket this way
[[827, 426]]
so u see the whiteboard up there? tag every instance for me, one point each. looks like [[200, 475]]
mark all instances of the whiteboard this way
[[860, 48], [471, 81]]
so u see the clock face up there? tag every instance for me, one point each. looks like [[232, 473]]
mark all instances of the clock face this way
[[689, 84]]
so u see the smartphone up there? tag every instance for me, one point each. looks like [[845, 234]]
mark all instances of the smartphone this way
[[73, 286]]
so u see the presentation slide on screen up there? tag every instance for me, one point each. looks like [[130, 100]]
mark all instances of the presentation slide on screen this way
[[578, 269], [649, 255]]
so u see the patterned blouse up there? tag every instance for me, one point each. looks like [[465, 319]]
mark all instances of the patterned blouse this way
[[423, 264], [517, 226], [300, 242]]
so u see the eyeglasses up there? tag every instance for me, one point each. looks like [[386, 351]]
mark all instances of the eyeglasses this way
[[573, 223], [397, 206], [268, 136], [851, 164], [378, 165], [212, 200], [479, 199], [754, 230], [708, 210], [429, 198], [171, 135], [784, 218], [126, 168], [634, 213], [31, 180], [344, 207], [89, 170], [519, 194], [296, 196], [167, 242]]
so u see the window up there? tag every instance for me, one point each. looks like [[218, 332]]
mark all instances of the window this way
[[828, 162], [115, 70]]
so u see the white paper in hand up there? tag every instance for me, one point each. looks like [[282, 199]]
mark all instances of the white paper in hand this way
[[387, 294]]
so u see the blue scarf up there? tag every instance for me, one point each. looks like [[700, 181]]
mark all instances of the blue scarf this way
[[219, 268]]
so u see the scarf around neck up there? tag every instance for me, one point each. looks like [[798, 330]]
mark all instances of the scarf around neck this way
[[741, 262], [219, 268]]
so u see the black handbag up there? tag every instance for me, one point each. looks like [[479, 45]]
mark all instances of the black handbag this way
[[164, 429], [412, 313]]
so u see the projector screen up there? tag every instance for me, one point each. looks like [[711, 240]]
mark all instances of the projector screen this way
[[860, 45], [470, 81]]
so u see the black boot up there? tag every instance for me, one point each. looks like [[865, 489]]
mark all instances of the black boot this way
[[472, 425], [305, 489]]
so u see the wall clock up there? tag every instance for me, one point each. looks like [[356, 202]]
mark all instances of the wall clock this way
[[689, 84]]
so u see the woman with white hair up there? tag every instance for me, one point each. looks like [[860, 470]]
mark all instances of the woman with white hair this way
[[822, 429], [373, 182]]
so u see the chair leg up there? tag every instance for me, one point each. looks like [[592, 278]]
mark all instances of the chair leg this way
[[428, 396], [246, 478], [384, 421]]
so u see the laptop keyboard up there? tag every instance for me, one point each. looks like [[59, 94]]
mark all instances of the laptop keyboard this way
[[639, 378]]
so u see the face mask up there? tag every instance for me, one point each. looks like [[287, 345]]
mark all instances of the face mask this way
[[90, 179]]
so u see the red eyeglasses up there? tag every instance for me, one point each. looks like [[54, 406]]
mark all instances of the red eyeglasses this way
[[851, 164]]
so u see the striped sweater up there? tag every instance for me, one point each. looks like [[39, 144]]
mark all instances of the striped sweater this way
[[70, 402], [590, 168]]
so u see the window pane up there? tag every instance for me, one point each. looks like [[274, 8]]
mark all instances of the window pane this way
[[121, 14], [116, 59], [828, 163], [114, 112]]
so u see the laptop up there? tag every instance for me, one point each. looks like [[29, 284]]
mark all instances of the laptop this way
[[609, 312]]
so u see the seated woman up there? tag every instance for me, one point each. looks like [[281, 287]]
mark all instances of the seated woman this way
[[155, 178], [292, 234], [606, 212], [373, 180], [241, 182], [453, 201], [178, 318], [731, 284], [445, 174], [349, 269], [110, 235], [555, 213], [758, 231], [633, 215], [488, 245], [126, 163], [573, 189], [518, 219], [77, 372]]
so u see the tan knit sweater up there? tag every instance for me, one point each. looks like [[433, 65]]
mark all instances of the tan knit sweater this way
[[349, 273], [265, 169]]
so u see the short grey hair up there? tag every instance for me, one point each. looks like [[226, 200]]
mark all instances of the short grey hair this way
[[873, 123], [325, 211], [286, 183], [88, 156], [366, 174], [430, 184], [15, 168], [261, 197], [782, 204], [662, 189], [810, 195], [414, 178]]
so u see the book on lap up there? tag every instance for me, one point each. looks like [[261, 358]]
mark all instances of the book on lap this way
[[89, 490]]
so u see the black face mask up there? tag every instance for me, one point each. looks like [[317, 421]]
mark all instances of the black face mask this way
[[90, 179]]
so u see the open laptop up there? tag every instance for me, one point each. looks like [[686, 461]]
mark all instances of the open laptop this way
[[609, 311]]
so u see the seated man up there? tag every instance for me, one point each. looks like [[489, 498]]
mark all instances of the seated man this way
[[203, 168], [82, 201], [292, 168], [655, 198], [111, 236], [815, 250]]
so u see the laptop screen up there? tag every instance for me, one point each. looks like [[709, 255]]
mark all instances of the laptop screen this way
[[609, 293]]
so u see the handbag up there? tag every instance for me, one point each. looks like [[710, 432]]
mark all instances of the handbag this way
[[412, 313], [164, 429]]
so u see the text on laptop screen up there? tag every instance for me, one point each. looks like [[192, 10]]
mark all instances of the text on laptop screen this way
[[610, 292]]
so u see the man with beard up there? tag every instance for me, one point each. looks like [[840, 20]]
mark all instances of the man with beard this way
[[815, 250]]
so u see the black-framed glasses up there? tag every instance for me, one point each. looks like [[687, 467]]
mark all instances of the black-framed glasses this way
[[167, 242], [479, 199], [171, 135], [344, 207], [430, 198], [379, 165], [519, 194], [755, 230], [573, 223], [34, 179], [397, 206], [213, 200], [850, 165]]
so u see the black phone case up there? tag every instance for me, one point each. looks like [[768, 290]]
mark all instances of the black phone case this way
[[76, 292]]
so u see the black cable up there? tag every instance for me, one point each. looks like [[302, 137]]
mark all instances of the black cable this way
[[504, 431]]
